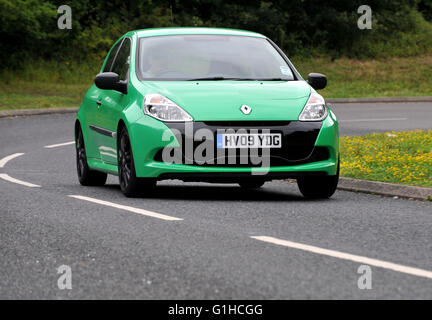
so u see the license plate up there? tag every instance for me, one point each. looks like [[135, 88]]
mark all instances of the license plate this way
[[248, 140]]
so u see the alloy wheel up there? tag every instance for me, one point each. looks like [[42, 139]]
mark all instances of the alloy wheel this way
[[125, 161]]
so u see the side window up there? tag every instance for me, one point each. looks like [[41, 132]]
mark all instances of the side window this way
[[111, 57], [121, 63]]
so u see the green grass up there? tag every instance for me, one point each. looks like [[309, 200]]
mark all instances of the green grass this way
[[46, 85], [63, 84], [396, 157], [391, 77]]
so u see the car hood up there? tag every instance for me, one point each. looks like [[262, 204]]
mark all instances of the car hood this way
[[221, 100]]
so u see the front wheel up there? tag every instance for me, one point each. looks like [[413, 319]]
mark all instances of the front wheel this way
[[130, 185], [319, 187], [86, 176]]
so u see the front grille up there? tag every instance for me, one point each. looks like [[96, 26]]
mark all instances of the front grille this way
[[298, 143], [244, 124], [318, 154]]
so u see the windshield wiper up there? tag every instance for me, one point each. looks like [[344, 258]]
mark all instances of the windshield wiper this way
[[219, 78], [274, 79], [212, 78]]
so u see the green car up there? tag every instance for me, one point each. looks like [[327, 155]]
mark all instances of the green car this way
[[202, 104]]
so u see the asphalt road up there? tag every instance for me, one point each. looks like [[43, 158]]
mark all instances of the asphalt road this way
[[211, 252], [363, 118]]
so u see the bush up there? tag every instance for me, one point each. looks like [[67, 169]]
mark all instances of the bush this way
[[300, 27], [406, 34], [25, 30]]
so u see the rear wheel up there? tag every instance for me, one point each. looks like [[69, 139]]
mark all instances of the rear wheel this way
[[130, 185], [319, 187], [86, 176]]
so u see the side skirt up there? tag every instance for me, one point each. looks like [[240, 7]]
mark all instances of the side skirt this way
[[99, 165]]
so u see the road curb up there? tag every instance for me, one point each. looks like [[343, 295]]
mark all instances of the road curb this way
[[31, 112], [384, 188], [379, 100]]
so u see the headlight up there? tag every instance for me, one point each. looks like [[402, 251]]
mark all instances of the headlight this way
[[161, 108], [315, 109]]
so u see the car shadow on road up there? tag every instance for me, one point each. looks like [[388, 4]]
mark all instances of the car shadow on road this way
[[215, 192]]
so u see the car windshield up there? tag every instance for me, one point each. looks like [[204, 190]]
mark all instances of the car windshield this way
[[210, 57]]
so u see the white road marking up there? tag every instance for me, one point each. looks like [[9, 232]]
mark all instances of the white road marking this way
[[10, 179], [347, 256], [60, 144], [6, 177], [362, 120], [127, 208], [6, 159]]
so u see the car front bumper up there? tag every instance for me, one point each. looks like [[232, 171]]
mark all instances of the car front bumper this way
[[150, 136]]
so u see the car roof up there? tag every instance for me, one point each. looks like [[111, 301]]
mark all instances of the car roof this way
[[185, 31]]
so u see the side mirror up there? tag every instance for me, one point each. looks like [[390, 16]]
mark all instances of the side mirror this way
[[110, 81], [317, 80]]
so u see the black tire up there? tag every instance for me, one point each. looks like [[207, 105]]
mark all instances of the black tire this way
[[130, 185], [319, 187], [251, 184], [86, 176]]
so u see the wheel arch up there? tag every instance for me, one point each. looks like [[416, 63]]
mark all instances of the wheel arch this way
[[121, 124], [77, 127]]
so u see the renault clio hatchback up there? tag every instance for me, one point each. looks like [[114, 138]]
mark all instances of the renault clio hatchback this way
[[201, 104]]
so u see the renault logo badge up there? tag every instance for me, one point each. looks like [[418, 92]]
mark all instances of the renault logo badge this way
[[245, 109]]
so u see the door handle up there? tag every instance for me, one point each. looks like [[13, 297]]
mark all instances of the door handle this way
[[98, 102]]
